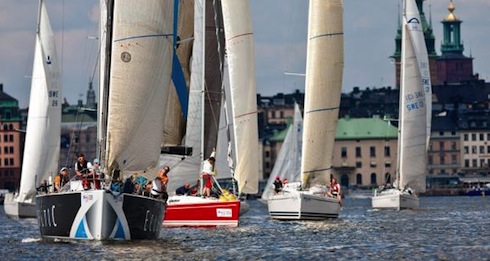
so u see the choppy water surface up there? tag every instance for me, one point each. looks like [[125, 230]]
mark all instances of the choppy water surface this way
[[445, 228]]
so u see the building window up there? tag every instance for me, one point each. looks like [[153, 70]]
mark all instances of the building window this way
[[11, 161], [359, 179], [482, 163], [387, 178], [466, 163], [473, 136], [358, 152], [5, 138], [267, 154], [372, 151], [373, 179], [453, 133], [11, 137], [373, 164], [6, 150], [430, 160], [358, 164], [267, 165], [5, 162], [466, 150], [482, 137], [465, 137], [441, 145], [441, 133], [488, 136], [387, 165], [482, 149], [454, 159], [488, 149], [387, 151], [475, 163], [430, 146], [442, 160], [453, 145], [343, 152], [11, 150], [473, 149]]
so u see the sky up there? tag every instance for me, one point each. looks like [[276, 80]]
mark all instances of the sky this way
[[280, 30]]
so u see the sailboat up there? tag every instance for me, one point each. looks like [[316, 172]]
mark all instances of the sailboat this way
[[136, 46], [415, 116], [222, 211], [288, 162], [308, 199], [43, 123]]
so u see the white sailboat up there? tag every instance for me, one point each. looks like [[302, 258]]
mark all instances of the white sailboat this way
[[137, 46], [224, 211], [308, 199], [41, 150], [415, 110], [288, 162]]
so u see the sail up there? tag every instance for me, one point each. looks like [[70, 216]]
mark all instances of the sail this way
[[188, 168], [42, 143], [240, 54], [416, 31], [324, 66], [412, 148], [288, 162], [140, 69], [174, 127]]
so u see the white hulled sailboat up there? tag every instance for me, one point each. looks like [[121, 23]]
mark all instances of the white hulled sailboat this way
[[414, 119], [308, 199], [42, 143]]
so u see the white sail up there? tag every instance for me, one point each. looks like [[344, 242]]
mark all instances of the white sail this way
[[416, 31], [142, 40], [412, 148], [288, 161], [42, 143], [240, 54], [323, 85], [188, 168]]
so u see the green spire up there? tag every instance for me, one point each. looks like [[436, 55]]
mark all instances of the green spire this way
[[451, 41]]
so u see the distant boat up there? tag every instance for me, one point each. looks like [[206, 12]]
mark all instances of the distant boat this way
[[414, 120], [41, 149], [206, 114], [483, 191], [136, 58], [308, 199]]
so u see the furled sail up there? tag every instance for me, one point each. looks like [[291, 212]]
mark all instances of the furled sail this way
[[140, 69], [42, 143], [412, 144], [240, 54], [324, 66]]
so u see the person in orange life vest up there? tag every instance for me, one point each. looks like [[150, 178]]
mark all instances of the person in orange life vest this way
[[61, 179], [207, 171], [164, 179]]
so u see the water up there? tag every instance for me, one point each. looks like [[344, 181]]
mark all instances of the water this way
[[445, 228]]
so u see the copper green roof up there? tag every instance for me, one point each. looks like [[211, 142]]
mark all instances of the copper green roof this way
[[365, 128], [356, 129]]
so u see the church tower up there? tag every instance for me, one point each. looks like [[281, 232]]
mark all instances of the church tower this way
[[429, 42], [91, 103], [452, 65]]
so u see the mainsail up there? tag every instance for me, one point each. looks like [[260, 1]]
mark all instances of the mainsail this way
[[240, 54], [288, 161], [323, 85], [140, 69], [412, 144], [42, 143]]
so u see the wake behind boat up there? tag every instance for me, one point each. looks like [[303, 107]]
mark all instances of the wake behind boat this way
[[309, 200], [136, 55]]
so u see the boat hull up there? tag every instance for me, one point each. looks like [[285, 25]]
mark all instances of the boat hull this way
[[478, 192], [191, 211], [99, 215], [298, 205], [17, 210], [395, 199]]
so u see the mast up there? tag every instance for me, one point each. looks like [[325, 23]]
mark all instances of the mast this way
[[107, 8]]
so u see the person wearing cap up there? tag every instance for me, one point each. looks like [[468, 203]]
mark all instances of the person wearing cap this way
[[61, 179], [207, 171], [277, 184]]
